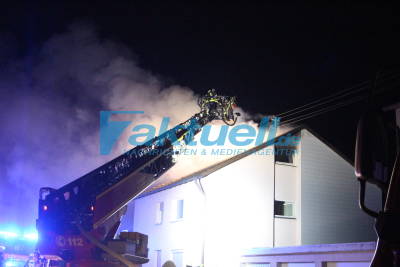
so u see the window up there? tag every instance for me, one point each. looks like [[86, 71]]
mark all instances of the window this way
[[178, 210], [67, 195], [76, 190], [284, 154], [283, 208], [159, 212], [177, 258]]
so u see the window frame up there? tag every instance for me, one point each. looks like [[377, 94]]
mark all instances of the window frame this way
[[159, 218], [293, 216], [292, 155], [176, 208]]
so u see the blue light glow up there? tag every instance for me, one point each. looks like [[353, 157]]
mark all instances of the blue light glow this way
[[14, 263], [8, 235], [11, 263], [33, 236], [27, 235]]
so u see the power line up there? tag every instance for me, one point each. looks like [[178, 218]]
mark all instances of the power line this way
[[324, 110], [326, 102], [334, 107], [343, 93], [362, 85]]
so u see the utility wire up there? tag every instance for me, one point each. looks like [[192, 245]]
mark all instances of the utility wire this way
[[331, 107], [357, 87], [343, 93], [326, 102], [323, 110]]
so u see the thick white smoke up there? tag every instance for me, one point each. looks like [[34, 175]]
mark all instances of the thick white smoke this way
[[50, 104]]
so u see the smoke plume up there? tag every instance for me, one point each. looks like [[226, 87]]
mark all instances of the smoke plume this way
[[50, 104]]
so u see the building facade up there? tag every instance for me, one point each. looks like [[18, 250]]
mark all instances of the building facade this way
[[274, 197]]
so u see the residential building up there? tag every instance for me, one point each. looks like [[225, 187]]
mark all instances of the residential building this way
[[269, 197]]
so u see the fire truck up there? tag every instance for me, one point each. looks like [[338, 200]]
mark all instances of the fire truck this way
[[377, 162], [78, 223]]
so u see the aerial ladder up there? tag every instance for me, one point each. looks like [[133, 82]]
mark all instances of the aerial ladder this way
[[78, 223]]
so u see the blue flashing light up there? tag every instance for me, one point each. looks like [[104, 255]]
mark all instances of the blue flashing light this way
[[33, 236], [28, 235], [8, 235], [11, 263]]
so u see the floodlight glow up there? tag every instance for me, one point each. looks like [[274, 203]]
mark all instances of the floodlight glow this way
[[31, 236], [8, 235], [11, 263]]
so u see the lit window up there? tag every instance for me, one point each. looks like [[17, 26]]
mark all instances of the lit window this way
[[283, 208], [178, 209], [67, 195], [159, 212]]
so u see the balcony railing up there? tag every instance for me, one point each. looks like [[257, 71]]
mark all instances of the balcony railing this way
[[324, 255]]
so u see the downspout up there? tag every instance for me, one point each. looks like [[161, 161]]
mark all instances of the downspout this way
[[273, 207]]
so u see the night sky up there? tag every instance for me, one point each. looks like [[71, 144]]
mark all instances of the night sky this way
[[272, 57]]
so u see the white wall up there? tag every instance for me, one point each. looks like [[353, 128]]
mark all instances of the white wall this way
[[285, 232], [329, 197], [286, 190], [238, 214], [240, 209], [170, 235], [285, 182]]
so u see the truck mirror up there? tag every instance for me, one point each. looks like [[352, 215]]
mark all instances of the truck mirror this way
[[372, 151], [371, 155]]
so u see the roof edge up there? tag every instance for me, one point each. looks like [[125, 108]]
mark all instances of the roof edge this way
[[213, 168]]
